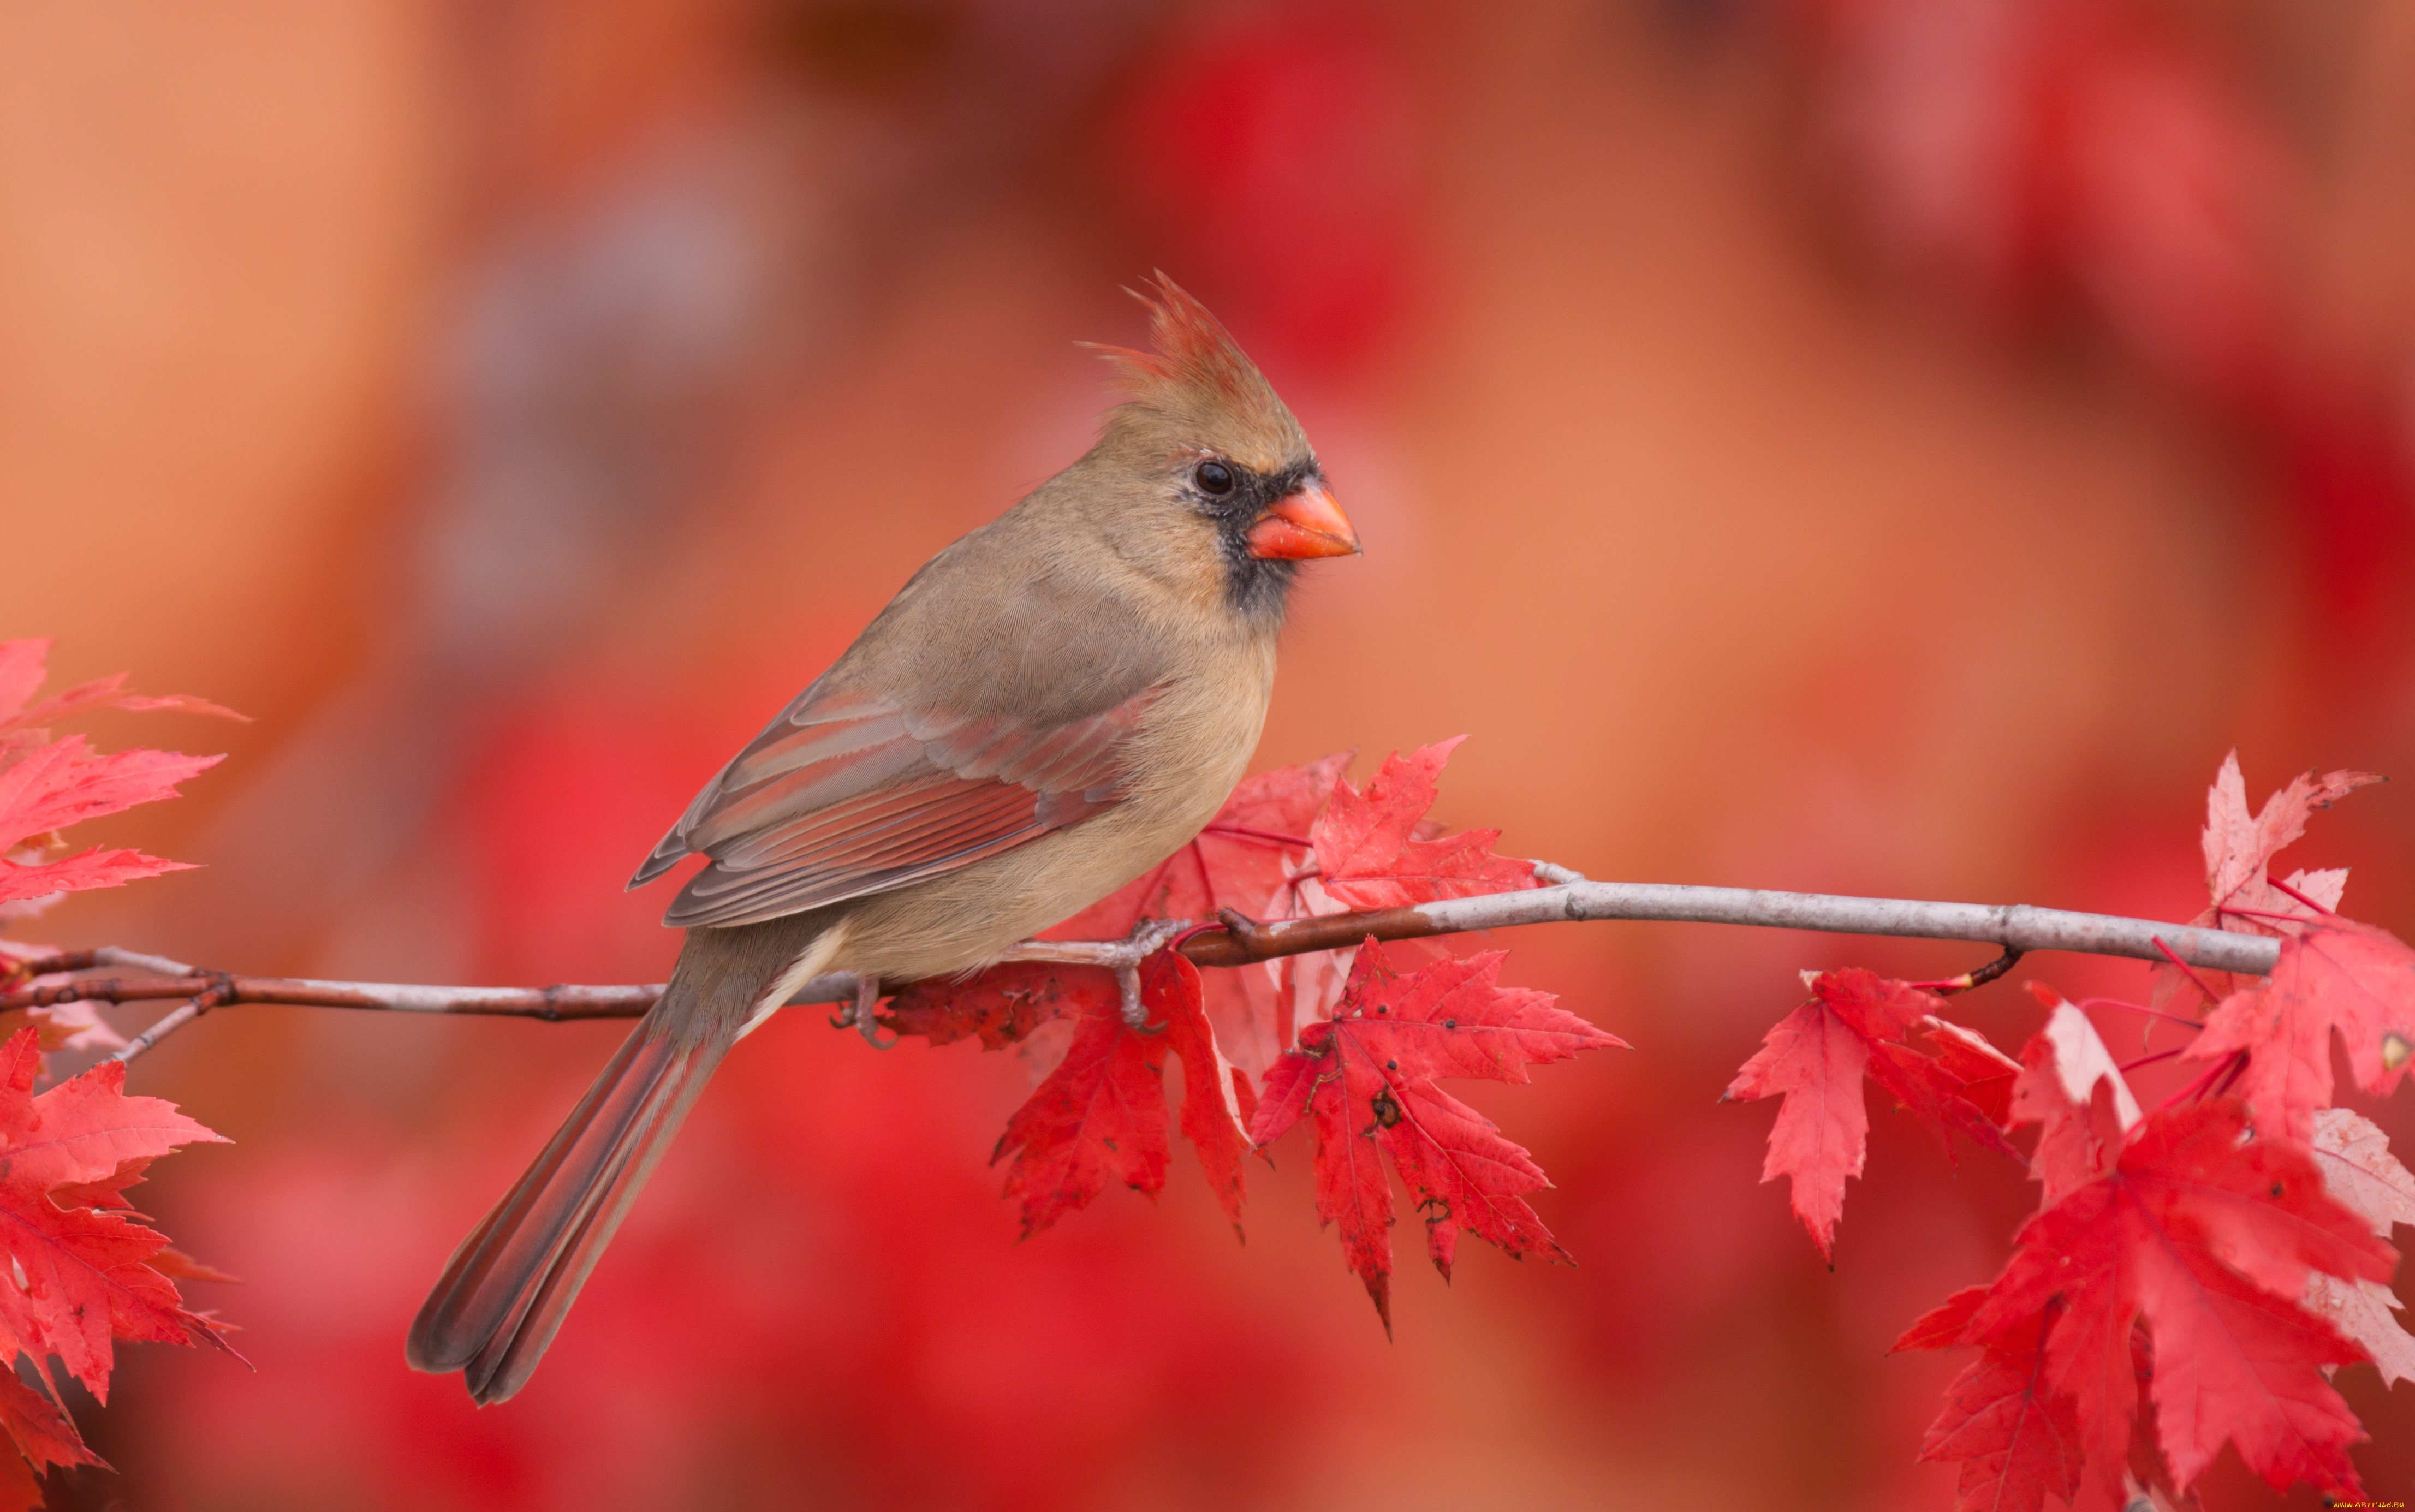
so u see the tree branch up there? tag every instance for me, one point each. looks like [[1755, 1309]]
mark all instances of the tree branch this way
[[2015, 926], [1571, 899]]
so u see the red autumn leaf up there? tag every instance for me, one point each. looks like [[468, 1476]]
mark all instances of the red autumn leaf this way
[[2335, 974], [2363, 1176], [1461, 1173], [45, 786], [2208, 1237], [1101, 1116], [1351, 1192], [1211, 1111], [57, 785], [1985, 1072], [1943, 1326], [2235, 1364], [2016, 1440], [1107, 1115], [87, 1131], [42, 1432], [52, 786], [18, 1491], [2359, 1170], [21, 671], [1252, 859], [1814, 1061], [1815, 1058], [109, 1191], [177, 1265], [1371, 852], [2239, 850], [1283, 1100], [86, 1271], [1366, 1078], [1002, 1004], [2070, 1087]]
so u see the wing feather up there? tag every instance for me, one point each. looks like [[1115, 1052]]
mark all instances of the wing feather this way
[[845, 795]]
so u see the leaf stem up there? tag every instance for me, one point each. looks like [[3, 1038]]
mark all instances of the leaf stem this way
[[2211, 997]]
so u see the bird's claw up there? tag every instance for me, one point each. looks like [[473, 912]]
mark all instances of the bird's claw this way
[[1135, 1011], [1123, 957], [868, 996], [858, 1014]]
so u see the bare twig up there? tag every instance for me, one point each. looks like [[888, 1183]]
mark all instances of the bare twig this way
[[19, 968], [199, 1004], [1977, 977], [2008, 926], [2013, 928]]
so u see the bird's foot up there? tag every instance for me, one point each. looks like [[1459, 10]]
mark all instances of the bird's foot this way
[[858, 1014], [1123, 957]]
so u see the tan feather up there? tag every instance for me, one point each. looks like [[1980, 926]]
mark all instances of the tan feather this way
[[1196, 381]]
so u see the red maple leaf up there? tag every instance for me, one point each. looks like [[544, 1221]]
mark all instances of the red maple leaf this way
[[1002, 1004], [45, 784], [1296, 843], [2017, 1440], [1856, 1021], [1211, 1108], [1252, 857], [2207, 1236], [86, 1272], [21, 670], [1366, 1078], [1372, 850], [42, 1432], [2070, 1088], [1985, 1072], [2335, 973], [2363, 1176], [2239, 850], [1101, 1116]]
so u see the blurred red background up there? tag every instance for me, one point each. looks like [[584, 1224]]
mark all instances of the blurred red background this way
[[1891, 446]]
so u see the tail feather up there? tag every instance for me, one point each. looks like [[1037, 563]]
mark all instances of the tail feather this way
[[471, 1302], [511, 1354], [508, 1287], [510, 1283]]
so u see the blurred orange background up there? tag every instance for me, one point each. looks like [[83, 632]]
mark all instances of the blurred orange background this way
[[1889, 446]]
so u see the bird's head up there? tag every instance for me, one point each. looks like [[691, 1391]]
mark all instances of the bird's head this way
[[1234, 497]]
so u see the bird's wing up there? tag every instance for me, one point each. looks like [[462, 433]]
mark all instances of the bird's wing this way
[[845, 795]]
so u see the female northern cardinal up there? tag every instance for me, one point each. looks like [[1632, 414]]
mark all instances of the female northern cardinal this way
[[1051, 706]]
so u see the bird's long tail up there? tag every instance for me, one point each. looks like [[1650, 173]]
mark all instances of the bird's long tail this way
[[507, 1288]]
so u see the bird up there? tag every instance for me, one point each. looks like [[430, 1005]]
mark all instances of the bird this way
[[1051, 706]]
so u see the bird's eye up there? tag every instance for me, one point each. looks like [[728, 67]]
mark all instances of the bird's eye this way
[[1213, 477]]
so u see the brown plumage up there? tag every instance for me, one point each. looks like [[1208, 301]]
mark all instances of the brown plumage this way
[[1053, 705]]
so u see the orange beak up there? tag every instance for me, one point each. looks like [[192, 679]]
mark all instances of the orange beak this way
[[1306, 523]]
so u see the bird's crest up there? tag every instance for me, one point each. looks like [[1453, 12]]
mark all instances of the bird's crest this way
[[1196, 373]]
